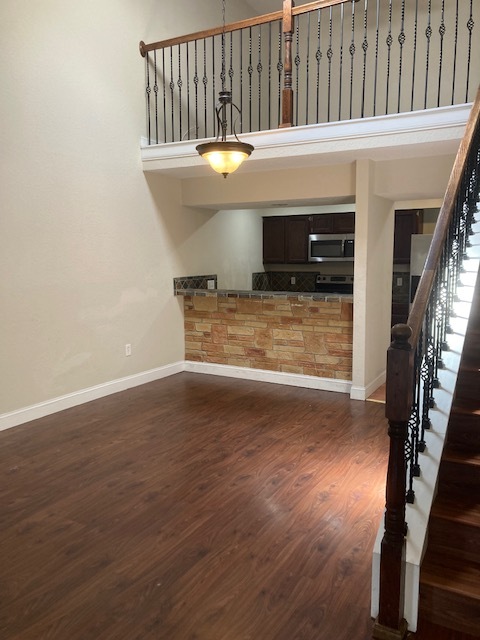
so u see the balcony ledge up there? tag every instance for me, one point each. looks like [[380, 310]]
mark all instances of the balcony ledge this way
[[405, 135]]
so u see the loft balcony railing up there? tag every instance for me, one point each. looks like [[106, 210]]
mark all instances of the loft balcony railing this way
[[325, 61]]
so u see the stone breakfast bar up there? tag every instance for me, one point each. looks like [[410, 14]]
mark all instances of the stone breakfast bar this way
[[294, 333]]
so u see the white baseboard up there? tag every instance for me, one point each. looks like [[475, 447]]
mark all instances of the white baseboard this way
[[15, 418], [42, 409], [362, 393], [263, 375]]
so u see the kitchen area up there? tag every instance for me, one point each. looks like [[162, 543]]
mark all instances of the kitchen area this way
[[297, 318], [297, 315]]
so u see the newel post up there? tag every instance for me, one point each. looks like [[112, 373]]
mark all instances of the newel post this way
[[390, 624], [287, 93]]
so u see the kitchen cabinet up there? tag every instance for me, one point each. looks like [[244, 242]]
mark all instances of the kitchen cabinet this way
[[285, 238], [274, 239], [407, 222], [332, 223], [296, 239]]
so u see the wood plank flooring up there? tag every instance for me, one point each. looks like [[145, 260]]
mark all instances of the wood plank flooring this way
[[195, 507]]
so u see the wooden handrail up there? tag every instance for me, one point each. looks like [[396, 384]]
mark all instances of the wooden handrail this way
[[399, 399], [237, 26], [420, 302]]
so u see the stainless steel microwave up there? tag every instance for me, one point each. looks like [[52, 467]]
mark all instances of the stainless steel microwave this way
[[325, 247]]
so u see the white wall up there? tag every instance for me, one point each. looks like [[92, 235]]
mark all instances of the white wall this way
[[374, 228], [87, 250]]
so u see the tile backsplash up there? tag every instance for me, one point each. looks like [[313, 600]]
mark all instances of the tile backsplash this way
[[284, 281], [195, 282]]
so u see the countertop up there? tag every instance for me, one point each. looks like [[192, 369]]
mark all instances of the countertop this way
[[265, 295]]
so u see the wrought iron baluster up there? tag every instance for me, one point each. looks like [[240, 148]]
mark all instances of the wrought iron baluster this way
[[280, 71], [439, 335], [441, 31], [307, 69], [172, 95], [330, 56], [401, 42], [214, 88], [259, 71], [376, 59], [231, 74], [365, 49], [352, 58], [428, 35], [455, 44], [241, 78], [342, 21], [155, 91], [196, 80], [205, 84], [148, 91], [389, 42], [269, 75], [427, 370], [414, 60], [164, 97], [250, 74], [411, 443], [188, 90], [318, 57], [179, 85], [470, 25]]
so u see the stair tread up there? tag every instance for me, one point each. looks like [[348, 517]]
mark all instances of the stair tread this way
[[466, 405], [464, 510], [462, 455], [452, 574]]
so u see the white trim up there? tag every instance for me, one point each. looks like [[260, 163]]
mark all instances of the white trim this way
[[362, 393], [33, 412], [275, 377], [442, 128], [42, 409]]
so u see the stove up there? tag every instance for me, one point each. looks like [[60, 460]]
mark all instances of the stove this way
[[333, 284]]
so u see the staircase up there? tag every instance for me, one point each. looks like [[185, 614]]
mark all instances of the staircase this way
[[450, 573]]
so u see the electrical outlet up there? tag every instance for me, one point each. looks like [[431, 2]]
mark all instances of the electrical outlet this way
[[399, 282], [128, 349], [293, 280], [210, 284]]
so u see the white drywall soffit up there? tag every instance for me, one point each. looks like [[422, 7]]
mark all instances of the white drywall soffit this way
[[406, 135]]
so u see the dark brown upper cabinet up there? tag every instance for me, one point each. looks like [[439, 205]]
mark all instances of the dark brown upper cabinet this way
[[332, 223], [296, 239], [285, 238], [407, 222], [274, 239]]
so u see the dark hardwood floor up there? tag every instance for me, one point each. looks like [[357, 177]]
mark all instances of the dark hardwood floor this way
[[195, 507]]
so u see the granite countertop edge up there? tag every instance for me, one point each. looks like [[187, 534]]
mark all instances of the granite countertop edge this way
[[264, 295]]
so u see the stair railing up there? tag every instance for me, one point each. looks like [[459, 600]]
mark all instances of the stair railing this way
[[413, 360], [324, 61]]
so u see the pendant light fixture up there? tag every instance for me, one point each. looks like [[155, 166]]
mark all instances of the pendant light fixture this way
[[224, 156]]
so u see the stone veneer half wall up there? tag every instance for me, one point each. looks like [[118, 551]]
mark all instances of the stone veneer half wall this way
[[291, 334]]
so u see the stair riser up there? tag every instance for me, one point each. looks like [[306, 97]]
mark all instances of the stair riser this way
[[465, 431], [450, 609], [467, 388], [455, 538], [464, 478]]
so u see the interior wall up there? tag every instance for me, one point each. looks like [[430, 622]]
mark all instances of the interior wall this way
[[87, 250], [374, 226], [227, 243]]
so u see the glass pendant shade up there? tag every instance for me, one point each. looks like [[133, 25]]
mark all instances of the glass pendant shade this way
[[225, 157]]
